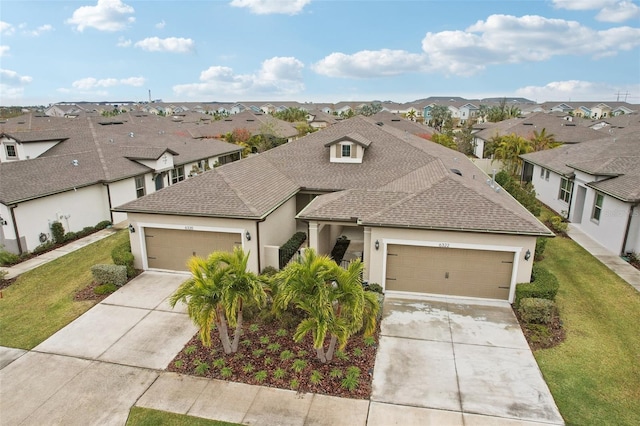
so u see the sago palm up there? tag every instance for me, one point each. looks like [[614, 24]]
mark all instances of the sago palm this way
[[332, 298], [217, 292]]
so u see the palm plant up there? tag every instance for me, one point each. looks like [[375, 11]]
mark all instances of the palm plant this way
[[509, 150], [543, 140], [333, 299], [217, 293]]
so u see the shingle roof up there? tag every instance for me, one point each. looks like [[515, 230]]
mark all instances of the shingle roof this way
[[401, 177], [113, 146], [615, 157]]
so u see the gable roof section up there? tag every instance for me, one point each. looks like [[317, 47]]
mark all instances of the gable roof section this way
[[353, 137]]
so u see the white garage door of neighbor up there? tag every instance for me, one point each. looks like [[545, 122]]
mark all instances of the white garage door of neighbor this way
[[171, 248], [449, 271]]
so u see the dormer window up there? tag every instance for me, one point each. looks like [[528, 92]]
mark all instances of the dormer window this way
[[12, 153], [348, 149]]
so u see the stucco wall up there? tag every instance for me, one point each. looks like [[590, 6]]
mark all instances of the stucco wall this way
[[376, 262], [124, 191], [633, 239], [278, 227], [74, 209], [547, 191], [191, 223], [609, 230]]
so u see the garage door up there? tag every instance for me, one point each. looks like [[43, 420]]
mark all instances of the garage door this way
[[448, 271], [171, 248]]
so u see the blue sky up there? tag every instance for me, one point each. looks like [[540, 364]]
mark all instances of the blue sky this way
[[317, 50]]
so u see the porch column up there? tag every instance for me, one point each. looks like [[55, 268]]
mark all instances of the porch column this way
[[313, 236], [366, 253]]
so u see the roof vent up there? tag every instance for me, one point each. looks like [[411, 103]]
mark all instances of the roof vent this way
[[130, 134], [380, 123], [457, 172], [75, 163]]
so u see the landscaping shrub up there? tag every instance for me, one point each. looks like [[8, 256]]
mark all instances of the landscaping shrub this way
[[377, 288], [8, 258], [121, 255], [70, 236], [46, 246], [543, 285], [536, 310], [558, 224], [105, 288], [525, 194], [290, 248], [541, 244], [57, 231], [102, 225], [269, 271], [109, 274], [87, 230], [3, 274]]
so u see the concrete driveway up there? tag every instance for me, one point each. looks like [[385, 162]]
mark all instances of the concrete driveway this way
[[455, 362], [89, 372]]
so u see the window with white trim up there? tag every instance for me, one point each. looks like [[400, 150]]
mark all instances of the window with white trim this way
[[177, 174], [597, 207], [10, 149], [346, 150], [541, 172], [140, 188], [565, 190]]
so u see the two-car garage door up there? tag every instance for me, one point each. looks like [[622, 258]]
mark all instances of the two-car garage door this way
[[449, 271], [171, 248]]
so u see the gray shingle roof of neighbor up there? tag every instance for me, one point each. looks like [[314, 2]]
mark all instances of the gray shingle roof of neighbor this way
[[403, 181], [253, 122], [617, 158], [563, 131], [387, 118], [111, 149]]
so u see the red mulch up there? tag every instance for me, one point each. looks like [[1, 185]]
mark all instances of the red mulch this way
[[254, 351], [88, 293], [4, 283]]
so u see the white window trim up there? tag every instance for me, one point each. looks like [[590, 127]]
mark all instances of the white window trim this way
[[15, 150], [568, 190], [143, 187], [596, 207]]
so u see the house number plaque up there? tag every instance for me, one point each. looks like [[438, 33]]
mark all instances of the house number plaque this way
[[443, 245]]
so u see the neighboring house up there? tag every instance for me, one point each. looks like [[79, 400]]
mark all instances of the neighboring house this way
[[596, 185], [319, 119], [75, 170], [395, 120], [256, 123], [564, 131], [422, 217]]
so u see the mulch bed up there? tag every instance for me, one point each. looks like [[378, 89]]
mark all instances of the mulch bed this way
[[260, 354], [4, 283], [542, 336], [88, 293]]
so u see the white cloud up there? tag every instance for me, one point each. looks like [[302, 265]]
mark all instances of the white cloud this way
[[6, 28], [509, 39], [91, 83], [12, 84], [500, 39], [38, 31], [371, 63], [170, 44], [160, 25], [278, 75], [610, 10], [4, 50], [106, 15], [266, 7], [619, 12], [576, 90], [123, 42]]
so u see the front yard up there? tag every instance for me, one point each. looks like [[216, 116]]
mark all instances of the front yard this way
[[594, 375], [41, 302]]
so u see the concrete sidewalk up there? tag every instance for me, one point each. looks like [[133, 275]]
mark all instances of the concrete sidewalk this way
[[608, 258], [47, 257]]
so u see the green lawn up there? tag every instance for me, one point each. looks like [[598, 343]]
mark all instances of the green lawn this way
[[594, 375], [40, 302], [148, 417]]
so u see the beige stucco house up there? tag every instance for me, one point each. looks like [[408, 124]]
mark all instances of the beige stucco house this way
[[422, 217]]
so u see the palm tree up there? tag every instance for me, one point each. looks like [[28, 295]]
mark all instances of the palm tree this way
[[411, 114], [541, 141], [332, 298], [509, 150], [217, 293]]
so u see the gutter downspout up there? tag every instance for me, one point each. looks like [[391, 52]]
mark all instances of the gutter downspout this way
[[573, 185], [627, 228], [15, 227], [258, 243], [109, 199]]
